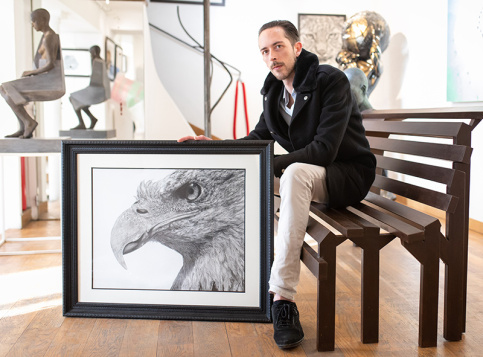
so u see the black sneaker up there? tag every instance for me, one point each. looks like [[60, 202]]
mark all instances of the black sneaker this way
[[287, 331]]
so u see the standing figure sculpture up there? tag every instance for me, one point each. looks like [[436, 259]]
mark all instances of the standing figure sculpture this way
[[44, 83], [98, 91], [365, 36]]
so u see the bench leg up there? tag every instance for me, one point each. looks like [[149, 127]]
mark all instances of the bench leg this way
[[453, 302], [326, 303], [455, 258], [370, 296], [429, 290], [428, 313], [427, 253]]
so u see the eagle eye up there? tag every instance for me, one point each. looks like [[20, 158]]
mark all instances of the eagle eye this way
[[190, 191], [141, 210]]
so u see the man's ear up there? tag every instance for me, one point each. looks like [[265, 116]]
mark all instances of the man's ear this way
[[298, 48]]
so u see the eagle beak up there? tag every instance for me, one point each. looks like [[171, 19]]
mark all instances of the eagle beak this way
[[127, 235]]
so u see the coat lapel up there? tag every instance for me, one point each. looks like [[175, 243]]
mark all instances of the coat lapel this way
[[305, 79], [302, 99]]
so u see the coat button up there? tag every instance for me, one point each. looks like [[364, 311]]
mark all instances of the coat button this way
[[266, 99], [306, 97]]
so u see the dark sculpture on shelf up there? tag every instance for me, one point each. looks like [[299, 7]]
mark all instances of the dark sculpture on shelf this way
[[44, 83], [365, 36], [359, 84], [98, 91]]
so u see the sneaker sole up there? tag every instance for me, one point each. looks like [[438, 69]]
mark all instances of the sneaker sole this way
[[290, 345]]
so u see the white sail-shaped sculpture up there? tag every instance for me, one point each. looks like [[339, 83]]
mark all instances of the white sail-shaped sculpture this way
[[163, 119]]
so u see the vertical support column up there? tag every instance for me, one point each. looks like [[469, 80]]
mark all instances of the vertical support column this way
[[207, 70]]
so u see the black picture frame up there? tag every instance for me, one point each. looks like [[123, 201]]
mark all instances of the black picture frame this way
[[92, 169], [322, 34], [193, 2]]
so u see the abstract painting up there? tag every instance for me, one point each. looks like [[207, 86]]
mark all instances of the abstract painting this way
[[465, 50]]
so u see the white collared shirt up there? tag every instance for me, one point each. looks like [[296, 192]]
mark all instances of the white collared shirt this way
[[284, 105]]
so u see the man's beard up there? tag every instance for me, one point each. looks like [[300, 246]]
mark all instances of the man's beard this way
[[280, 75]]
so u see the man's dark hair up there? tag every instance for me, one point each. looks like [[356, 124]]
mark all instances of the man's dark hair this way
[[290, 30]]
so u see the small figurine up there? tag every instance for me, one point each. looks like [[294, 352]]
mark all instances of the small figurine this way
[[359, 84], [98, 91], [44, 83]]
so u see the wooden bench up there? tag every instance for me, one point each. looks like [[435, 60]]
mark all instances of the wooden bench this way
[[402, 149]]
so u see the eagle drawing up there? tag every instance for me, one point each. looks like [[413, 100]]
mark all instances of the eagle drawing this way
[[200, 213]]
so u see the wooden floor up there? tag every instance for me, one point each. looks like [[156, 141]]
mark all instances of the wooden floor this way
[[31, 321]]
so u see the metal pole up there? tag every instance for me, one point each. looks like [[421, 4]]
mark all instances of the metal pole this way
[[207, 61]]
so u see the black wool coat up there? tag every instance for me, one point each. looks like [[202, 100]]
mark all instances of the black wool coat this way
[[326, 129]]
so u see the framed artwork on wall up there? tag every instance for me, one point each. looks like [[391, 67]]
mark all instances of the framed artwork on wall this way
[[167, 230], [121, 60], [322, 35], [110, 57], [77, 62], [465, 49]]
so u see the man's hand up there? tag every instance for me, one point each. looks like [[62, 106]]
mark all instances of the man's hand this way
[[189, 137]]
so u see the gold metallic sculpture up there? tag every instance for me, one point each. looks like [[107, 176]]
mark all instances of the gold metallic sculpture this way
[[44, 83], [365, 36]]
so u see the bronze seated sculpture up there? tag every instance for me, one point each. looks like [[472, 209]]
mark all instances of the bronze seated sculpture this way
[[44, 83], [98, 91]]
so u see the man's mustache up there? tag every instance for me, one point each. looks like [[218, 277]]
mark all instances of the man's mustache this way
[[275, 64]]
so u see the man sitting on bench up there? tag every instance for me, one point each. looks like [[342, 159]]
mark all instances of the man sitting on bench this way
[[308, 109]]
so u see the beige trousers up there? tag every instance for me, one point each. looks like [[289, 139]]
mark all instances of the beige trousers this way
[[299, 185]]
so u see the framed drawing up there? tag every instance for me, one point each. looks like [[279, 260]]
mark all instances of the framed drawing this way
[[322, 35], [110, 57], [167, 230], [77, 62], [195, 2]]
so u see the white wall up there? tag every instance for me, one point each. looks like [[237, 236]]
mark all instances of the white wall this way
[[414, 63], [17, 49]]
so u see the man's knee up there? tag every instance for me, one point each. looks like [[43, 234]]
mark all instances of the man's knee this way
[[294, 174], [300, 172]]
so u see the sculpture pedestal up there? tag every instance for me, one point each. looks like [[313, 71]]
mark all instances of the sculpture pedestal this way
[[88, 134]]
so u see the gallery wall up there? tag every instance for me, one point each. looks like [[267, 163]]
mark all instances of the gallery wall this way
[[414, 64]]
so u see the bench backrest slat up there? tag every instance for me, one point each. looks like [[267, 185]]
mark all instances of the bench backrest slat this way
[[429, 197], [455, 153], [425, 171], [431, 129]]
